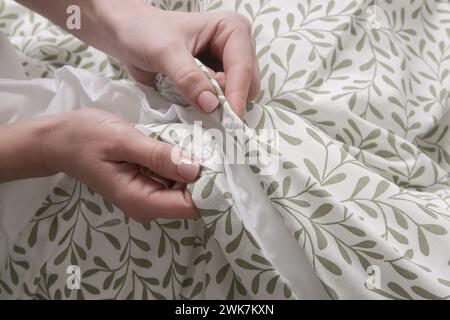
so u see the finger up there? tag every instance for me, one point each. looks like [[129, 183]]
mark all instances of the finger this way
[[147, 200], [221, 80], [163, 181], [211, 72], [161, 158], [238, 64], [143, 199], [193, 84], [255, 86], [175, 203], [218, 76], [141, 76]]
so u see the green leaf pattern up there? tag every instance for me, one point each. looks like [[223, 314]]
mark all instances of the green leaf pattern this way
[[363, 175]]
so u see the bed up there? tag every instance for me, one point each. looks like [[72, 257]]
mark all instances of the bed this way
[[356, 204]]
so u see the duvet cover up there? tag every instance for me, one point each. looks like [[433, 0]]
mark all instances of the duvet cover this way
[[341, 190]]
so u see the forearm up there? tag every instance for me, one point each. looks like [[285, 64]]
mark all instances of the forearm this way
[[101, 20], [23, 147]]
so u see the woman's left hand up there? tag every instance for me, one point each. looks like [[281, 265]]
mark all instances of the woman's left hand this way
[[152, 40], [148, 40]]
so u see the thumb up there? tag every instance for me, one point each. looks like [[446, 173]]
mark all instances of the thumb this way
[[161, 158], [192, 83], [141, 76]]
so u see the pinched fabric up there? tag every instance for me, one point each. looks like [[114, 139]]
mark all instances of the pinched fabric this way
[[358, 92]]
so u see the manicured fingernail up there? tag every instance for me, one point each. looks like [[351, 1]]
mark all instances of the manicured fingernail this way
[[208, 101], [188, 169]]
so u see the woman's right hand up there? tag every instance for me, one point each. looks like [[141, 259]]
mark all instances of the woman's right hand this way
[[113, 158]]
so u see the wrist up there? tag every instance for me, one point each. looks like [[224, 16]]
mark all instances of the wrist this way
[[51, 143], [113, 18], [23, 149]]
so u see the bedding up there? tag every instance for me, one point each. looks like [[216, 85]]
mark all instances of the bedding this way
[[345, 194]]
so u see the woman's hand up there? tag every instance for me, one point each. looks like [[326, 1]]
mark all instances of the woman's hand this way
[[116, 160], [153, 40], [149, 40]]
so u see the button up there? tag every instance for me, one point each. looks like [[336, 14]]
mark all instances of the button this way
[[238, 124], [232, 124], [227, 123]]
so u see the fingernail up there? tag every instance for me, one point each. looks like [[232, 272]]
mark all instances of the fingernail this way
[[208, 101], [188, 169]]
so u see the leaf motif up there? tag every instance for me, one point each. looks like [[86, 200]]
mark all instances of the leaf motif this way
[[41, 210], [321, 211], [33, 235], [382, 186], [286, 186], [418, 172], [144, 246], [425, 293], [101, 263], [113, 240], [69, 213], [423, 243], [399, 290], [290, 20], [356, 231], [344, 64], [329, 265], [61, 257], [322, 242], [272, 187], [435, 229], [272, 80], [315, 136], [404, 273], [284, 117], [109, 223], [344, 253], [60, 192], [143, 263], [272, 284], [207, 190], [290, 139], [162, 245], [255, 284], [360, 185], [222, 273], [289, 165], [367, 209], [278, 61], [300, 203], [290, 51], [330, 291], [398, 236], [93, 207], [334, 179], [385, 154], [246, 265], [312, 169], [320, 193], [210, 212], [260, 259], [234, 244], [53, 229], [401, 221]]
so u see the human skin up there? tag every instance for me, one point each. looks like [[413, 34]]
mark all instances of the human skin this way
[[104, 151]]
